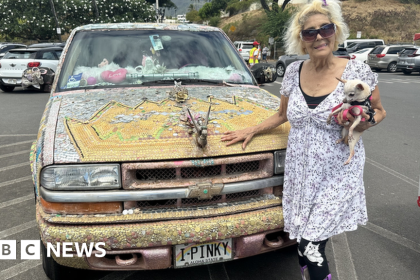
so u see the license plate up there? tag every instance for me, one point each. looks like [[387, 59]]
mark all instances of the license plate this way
[[12, 81], [203, 253]]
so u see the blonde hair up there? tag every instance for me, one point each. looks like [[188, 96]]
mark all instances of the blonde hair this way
[[292, 39]]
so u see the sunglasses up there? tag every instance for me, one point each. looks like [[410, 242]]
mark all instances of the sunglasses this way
[[326, 31]]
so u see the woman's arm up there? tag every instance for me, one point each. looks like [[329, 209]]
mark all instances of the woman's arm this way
[[246, 134], [376, 105]]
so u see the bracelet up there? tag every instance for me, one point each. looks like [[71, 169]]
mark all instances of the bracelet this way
[[371, 119]]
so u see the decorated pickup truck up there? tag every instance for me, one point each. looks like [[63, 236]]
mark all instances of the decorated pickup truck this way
[[129, 161]]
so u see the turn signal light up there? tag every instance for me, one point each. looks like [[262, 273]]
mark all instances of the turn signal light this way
[[240, 50], [380, 55], [81, 208], [34, 64], [353, 56]]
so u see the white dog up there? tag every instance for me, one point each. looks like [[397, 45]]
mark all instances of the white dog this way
[[357, 100]]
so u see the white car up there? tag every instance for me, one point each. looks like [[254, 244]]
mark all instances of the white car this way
[[18, 60], [361, 55]]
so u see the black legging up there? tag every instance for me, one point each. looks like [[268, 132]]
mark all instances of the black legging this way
[[312, 254]]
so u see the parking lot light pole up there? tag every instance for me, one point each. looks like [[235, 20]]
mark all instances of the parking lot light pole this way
[[56, 20]]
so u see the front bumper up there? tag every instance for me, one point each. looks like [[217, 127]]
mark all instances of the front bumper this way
[[153, 241]]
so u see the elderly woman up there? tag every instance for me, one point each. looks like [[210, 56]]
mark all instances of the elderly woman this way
[[321, 197]]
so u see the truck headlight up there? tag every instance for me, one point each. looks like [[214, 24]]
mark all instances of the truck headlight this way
[[279, 159], [81, 177]]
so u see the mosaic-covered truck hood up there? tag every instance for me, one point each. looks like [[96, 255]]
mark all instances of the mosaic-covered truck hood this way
[[144, 124]]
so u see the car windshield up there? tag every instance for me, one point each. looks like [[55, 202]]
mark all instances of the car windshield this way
[[408, 52], [377, 50], [120, 58], [247, 46], [351, 45], [19, 55]]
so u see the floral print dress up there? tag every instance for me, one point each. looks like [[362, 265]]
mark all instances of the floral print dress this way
[[321, 196]]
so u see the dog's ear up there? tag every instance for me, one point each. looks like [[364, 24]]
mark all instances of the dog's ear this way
[[360, 87], [341, 80]]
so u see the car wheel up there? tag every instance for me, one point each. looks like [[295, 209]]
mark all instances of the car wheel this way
[[52, 269], [392, 67], [407, 72], [7, 88], [280, 70]]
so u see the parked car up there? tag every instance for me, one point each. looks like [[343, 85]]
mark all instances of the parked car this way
[[361, 55], [363, 45], [5, 47], [47, 45], [285, 60], [347, 42], [128, 154], [18, 60], [243, 48], [409, 60], [385, 57]]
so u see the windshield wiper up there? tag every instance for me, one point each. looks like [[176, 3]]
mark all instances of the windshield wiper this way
[[185, 81]]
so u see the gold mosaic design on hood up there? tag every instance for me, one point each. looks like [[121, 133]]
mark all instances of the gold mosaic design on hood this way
[[153, 131]]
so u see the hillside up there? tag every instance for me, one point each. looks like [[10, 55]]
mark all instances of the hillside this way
[[386, 19]]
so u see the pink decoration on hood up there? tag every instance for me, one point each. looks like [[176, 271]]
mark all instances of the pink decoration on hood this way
[[114, 77]]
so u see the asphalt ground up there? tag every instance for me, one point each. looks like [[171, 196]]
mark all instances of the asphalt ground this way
[[387, 248]]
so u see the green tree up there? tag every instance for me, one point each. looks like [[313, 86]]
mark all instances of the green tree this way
[[276, 22], [207, 11], [33, 19], [193, 16]]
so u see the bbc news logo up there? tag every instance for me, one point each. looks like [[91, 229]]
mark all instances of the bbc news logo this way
[[30, 249]]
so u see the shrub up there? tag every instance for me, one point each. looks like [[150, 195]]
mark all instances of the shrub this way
[[235, 7], [214, 21]]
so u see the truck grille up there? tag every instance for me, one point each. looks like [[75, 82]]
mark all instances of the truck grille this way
[[185, 203], [159, 175]]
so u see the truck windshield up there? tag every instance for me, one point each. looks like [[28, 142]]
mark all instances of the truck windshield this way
[[121, 58]]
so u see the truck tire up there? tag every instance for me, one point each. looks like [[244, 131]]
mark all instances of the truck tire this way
[[52, 269]]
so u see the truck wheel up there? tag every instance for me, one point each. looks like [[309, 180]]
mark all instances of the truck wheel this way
[[7, 88], [52, 269], [280, 70], [392, 67], [407, 72]]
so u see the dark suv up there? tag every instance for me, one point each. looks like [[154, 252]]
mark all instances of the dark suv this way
[[285, 60]]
